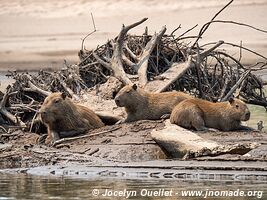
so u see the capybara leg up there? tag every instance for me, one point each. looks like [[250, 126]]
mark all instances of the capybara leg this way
[[121, 121], [209, 129], [197, 121], [165, 116], [245, 128], [48, 140], [55, 136], [130, 118], [52, 137], [41, 139], [199, 125]]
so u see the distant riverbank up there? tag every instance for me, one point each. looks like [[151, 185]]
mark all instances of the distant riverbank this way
[[36, 34]]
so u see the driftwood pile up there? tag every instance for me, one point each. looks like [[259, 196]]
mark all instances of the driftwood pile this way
[[158, 62]]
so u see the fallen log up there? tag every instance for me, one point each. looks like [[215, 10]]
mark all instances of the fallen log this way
[[171, 75]]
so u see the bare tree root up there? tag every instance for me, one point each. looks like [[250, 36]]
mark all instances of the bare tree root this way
[[70, 139], [15, 120]]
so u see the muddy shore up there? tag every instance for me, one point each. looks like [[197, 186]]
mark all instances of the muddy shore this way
[[126, 146]]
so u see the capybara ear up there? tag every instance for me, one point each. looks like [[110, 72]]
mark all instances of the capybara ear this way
[[231, 100], [63, 95], [134, 86]]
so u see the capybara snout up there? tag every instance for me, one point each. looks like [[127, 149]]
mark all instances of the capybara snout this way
[[239, 109], [43, 115], [247, 116], [118, 103]]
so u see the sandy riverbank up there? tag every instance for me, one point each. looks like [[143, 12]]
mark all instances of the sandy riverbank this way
[[37, 35]]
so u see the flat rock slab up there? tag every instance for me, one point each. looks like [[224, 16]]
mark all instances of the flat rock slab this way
[[182, 143], [177, 141]]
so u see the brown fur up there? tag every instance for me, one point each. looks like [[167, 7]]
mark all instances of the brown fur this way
[[60, 114], [200, 114], [141, 105]]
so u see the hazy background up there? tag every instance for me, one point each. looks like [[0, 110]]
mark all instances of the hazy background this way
[[40, 34]]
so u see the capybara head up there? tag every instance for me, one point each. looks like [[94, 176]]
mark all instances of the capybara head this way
[[127, 96], [55, 107], [239, 110]]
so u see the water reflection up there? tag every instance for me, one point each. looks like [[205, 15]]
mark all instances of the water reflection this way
[[4, 81], [34, 187], [258, 113]]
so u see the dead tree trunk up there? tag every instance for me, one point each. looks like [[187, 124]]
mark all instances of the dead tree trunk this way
[[144, 58], [115, 65]]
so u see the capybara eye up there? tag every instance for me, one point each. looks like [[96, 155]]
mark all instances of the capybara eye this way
[[56, 101], [237, 106]]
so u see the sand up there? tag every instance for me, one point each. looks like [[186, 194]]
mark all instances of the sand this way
[[36, 34]]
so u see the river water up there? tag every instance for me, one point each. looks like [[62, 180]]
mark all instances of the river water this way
[[44, 187]]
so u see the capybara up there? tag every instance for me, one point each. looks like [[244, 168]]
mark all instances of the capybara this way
[[141, 105], [64, 118], [201, 114]]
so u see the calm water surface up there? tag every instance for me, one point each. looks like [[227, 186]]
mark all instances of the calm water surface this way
[[258, 113], [37, 187]]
